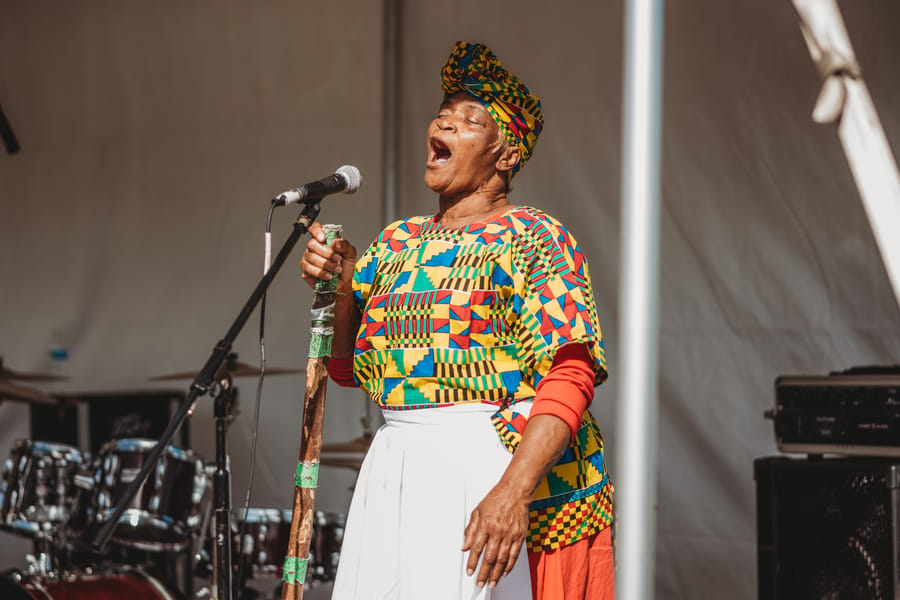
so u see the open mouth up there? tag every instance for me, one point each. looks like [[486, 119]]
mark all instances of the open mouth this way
[[440, 153]]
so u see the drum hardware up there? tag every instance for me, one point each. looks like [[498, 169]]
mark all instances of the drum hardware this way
[[41, 561]]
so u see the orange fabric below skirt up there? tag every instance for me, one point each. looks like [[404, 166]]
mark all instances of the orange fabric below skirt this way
[[581, 571]]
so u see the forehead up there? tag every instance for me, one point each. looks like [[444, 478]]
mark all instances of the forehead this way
[[463, 101]]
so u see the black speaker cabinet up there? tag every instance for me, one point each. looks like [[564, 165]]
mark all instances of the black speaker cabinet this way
[[89, 420], [827, 528]]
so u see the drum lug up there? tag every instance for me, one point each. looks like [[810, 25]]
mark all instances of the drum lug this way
[[83, 482], [41, 564]]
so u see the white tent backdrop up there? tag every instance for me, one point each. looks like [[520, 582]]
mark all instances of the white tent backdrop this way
[[154, 134]]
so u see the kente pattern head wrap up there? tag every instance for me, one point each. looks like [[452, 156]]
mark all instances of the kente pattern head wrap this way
[[473, 68]]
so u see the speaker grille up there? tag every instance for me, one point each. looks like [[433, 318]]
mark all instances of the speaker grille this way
[[826, 528]]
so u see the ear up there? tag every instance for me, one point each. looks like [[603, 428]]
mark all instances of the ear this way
[[508, 159]]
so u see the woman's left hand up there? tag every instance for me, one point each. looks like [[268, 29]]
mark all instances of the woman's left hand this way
[[496, 530], [499, 524]]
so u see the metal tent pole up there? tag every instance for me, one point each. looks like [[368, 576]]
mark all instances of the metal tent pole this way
[[638, 304], [393, 11]]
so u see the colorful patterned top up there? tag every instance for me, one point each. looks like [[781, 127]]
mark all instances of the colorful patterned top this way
[[476, 314]]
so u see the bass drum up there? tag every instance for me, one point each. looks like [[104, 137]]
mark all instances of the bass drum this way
[[130, 584]]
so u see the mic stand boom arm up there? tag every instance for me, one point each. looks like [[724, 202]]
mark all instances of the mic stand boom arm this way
[[202, 384]]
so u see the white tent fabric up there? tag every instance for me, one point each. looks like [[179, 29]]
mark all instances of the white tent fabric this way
[[154, 135]]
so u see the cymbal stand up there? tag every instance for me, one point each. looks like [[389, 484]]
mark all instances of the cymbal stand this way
[[205, 382]]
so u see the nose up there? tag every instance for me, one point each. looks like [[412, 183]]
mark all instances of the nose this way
[[444, 123]]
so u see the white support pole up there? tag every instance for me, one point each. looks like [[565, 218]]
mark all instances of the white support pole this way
[[635, 471]]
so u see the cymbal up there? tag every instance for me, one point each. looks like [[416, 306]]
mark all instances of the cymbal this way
[[9, 374], [357, 446], [236, 368], [20, 393], [349, 461]]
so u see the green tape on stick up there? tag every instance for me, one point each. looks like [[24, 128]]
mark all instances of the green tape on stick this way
[[307, 475], [294, 571]]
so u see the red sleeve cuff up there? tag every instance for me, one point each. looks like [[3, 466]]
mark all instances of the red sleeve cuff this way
[[546, 403], [341, 371], [568, 388]]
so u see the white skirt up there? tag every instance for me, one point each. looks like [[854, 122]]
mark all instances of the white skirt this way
[[422, 477]]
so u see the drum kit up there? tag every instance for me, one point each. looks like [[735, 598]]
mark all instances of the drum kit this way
[[59, 497]]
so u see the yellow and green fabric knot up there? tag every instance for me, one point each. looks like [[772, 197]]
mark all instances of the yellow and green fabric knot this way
[[473, 68]]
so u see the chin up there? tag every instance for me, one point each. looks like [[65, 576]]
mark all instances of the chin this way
[[432, 183]]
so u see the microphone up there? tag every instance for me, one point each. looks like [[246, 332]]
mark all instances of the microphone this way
[[345, 180]]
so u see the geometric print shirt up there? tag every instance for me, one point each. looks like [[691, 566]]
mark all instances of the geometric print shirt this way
[[476, 314]]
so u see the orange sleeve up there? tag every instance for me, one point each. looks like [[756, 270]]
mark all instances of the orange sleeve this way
[[341, 371], [568, 388]]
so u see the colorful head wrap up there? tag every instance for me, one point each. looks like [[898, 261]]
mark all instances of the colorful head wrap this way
[[473, 68]]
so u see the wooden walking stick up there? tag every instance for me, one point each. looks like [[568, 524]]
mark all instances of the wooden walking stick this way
[[321, 335]]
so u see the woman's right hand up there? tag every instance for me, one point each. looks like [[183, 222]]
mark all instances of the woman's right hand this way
[[323, 262]]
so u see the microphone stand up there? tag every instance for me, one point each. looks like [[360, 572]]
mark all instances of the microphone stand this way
[[222, 415], [213, 378]]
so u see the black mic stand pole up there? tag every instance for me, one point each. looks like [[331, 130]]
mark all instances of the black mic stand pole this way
[[209, 379], [222, 414]]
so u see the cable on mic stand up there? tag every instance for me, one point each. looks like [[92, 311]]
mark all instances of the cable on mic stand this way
[[242, 530]]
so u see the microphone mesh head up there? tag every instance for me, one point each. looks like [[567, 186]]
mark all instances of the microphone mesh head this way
[[351, 176]]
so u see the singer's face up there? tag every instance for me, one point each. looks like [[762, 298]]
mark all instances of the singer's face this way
[[462, 147]]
